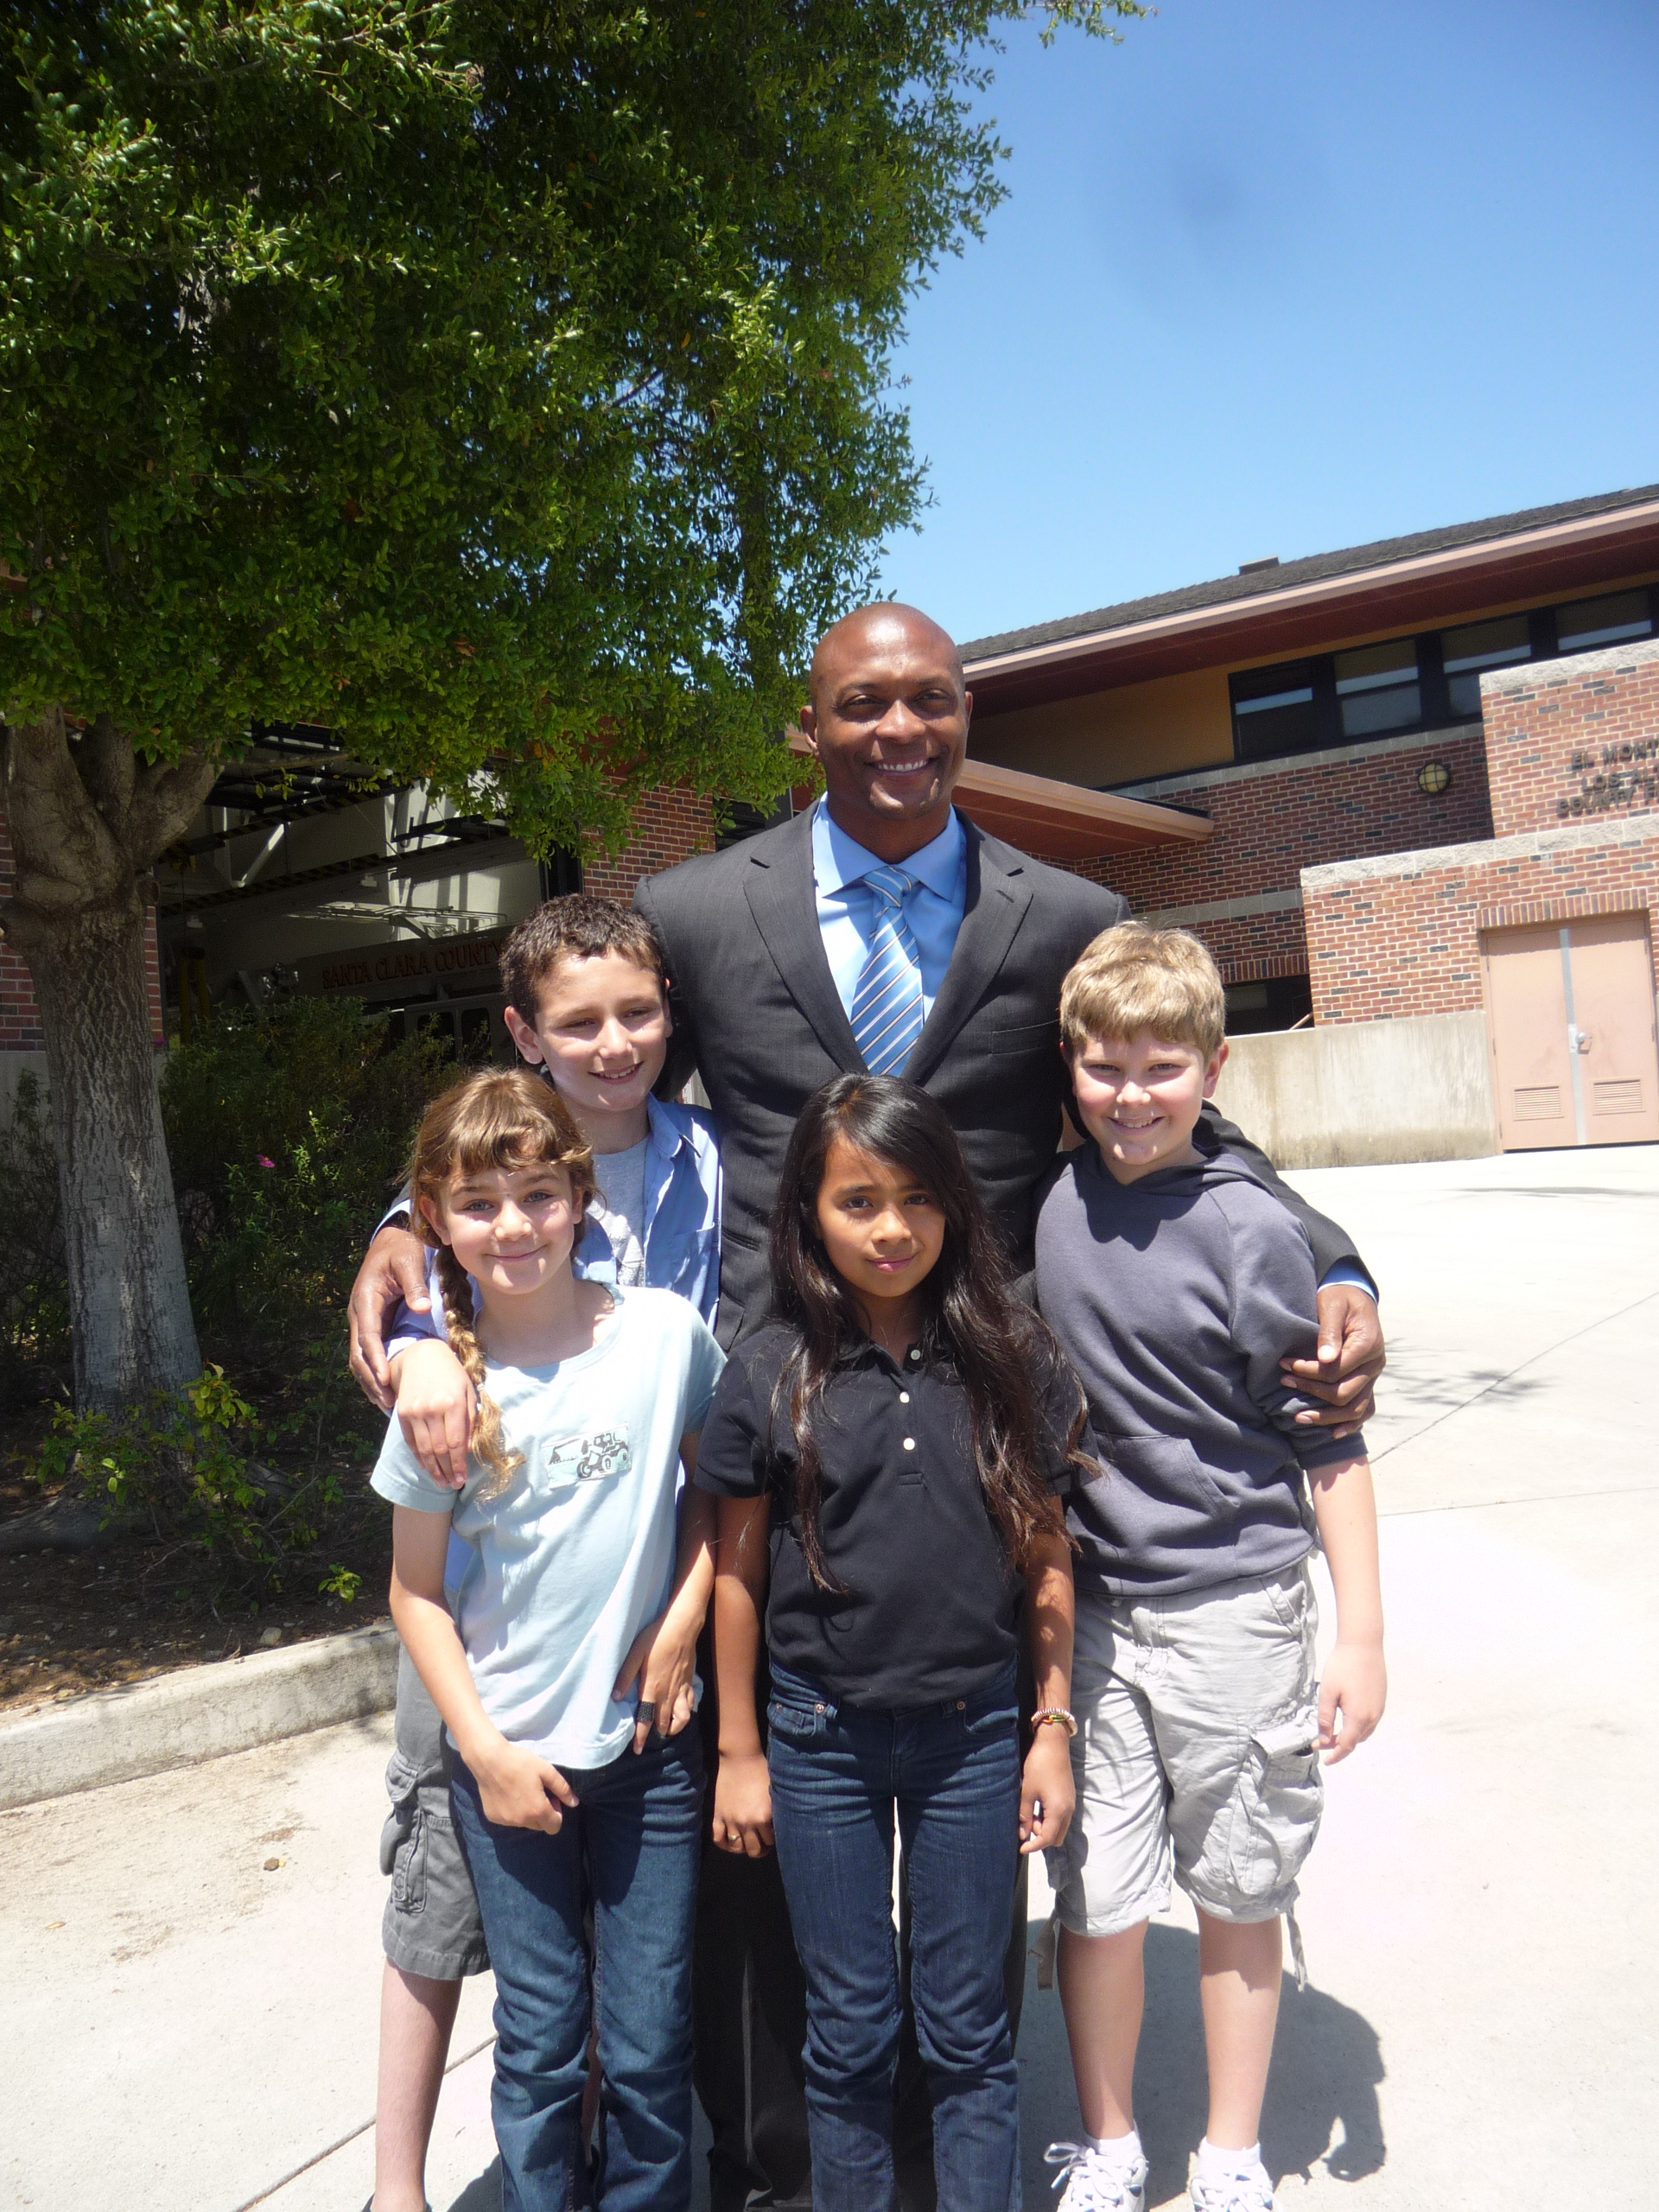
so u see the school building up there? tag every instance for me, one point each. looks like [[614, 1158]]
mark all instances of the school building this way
[[1429, 768], [1407, 793]]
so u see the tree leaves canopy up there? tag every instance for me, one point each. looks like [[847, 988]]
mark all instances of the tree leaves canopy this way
[[506, 388]]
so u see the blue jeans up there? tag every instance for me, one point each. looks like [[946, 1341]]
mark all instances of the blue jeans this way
[[631, 1846], [952, 1773]]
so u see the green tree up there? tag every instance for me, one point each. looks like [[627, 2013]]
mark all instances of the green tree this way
[[506, 388]]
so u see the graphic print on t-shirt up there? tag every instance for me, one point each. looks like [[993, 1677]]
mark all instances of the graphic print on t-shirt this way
[[589, 1457]]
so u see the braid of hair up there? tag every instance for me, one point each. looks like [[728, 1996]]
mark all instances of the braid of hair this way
[[459, 1320]]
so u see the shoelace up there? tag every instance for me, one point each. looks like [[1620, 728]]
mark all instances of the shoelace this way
[[1250, 2192], [1102, 2187]]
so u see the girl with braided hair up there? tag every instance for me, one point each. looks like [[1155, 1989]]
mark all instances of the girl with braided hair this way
[[565, 1675]]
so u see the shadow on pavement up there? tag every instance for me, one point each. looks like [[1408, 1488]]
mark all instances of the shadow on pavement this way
[[1322, 2096], [1321, 2104], [483, 2195]]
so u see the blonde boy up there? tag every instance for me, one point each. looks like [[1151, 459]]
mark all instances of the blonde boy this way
[[1178, 1285]]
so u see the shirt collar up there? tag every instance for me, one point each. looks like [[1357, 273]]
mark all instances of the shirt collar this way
[[839, 860], [666, 1134], [663, 1133]]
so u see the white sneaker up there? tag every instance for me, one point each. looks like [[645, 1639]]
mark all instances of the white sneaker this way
[[1224, 2192], [1095, 2183]]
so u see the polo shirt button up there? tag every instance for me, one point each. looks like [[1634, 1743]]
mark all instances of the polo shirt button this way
[[904, 1397], [910, 1443]]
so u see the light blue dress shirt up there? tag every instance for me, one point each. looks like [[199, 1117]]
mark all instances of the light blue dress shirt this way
[[934, 910], [847, 905]]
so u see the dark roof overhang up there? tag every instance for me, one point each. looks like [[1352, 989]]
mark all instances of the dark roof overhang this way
[[1399, 584]]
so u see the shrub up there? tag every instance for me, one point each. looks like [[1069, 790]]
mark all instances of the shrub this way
[[287, 1127]]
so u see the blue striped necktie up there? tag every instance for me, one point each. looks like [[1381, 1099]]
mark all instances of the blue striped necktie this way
[[886, 1011]]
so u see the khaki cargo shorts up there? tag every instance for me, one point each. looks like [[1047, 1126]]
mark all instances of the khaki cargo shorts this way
[[1196, 1717], [431, 1925]]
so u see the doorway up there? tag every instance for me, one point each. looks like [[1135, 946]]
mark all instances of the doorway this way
[[1570, 1010]]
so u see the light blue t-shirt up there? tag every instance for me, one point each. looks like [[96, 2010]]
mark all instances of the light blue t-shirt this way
[[578, 1552]]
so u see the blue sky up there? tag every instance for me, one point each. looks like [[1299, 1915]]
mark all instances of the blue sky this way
[[1279, 276]]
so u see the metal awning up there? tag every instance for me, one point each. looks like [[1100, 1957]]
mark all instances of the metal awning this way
[[1063, 822], [1066, 822]]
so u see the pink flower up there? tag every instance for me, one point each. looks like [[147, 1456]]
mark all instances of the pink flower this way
[[265, 1163]]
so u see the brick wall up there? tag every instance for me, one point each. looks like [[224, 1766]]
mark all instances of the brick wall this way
[[1573, 756], [1277, 818], [20, 1017], [669, 826], [1402, 936], [1574, 740]]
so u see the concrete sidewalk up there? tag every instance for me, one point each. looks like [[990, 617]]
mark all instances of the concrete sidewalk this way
[[184, 2027]]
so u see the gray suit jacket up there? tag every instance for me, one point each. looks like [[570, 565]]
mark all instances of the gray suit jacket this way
[[757, 1012]]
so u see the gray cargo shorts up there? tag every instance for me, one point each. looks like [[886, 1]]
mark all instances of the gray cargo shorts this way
[[431, 1925], [1196, 1716]]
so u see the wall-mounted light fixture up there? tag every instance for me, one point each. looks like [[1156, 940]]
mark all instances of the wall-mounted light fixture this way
[[1433, 778]]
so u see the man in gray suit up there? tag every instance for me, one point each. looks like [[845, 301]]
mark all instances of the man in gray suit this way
[[764, 944], [767, 946]]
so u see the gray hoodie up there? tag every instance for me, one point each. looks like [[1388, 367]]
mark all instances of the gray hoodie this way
[[1176, 1297]]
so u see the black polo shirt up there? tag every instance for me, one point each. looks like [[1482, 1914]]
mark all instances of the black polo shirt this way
[[930, 1605]]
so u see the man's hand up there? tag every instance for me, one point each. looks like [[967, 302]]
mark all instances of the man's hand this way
[[743, 1804], [1351, 1356], [436, 1406], [394, 1268]]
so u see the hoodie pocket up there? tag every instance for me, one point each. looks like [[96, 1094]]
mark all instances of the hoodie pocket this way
[[1156, 1505]]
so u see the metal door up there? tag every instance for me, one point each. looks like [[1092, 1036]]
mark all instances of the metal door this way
[[1570, 1007]]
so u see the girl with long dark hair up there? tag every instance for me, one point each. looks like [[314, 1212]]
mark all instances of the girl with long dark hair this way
[[887, 1452]]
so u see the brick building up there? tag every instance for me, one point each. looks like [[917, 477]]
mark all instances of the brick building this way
[[1430, 769], [1414, 784]]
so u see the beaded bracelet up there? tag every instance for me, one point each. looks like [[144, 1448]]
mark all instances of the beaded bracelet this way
[[1059, 1715]]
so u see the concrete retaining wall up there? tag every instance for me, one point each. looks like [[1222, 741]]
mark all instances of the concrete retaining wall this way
[[1358, 1093], [198, 1713]]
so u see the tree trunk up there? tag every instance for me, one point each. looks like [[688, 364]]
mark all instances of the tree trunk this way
[[128, 1298], [87, 824]]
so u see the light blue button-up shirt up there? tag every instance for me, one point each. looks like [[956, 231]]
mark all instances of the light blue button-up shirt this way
[[847, 905]]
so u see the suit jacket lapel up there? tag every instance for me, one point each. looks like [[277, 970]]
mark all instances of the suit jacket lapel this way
[[781, 899], [998, 896]]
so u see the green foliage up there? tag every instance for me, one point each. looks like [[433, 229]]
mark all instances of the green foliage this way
[[34, 1289], [508, 390], [181, 1465], [287, 1126]]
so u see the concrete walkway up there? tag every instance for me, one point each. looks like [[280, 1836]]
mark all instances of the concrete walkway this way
[[185, 2026]]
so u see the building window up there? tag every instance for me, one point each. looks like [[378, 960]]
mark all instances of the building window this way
[[1431, 681], [1591, 622], [1274, 711], [1481, 645], [1279, 1002], [1378, 691]]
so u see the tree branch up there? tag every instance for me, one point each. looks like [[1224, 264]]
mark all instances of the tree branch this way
[[167, 797], [67, 854]]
